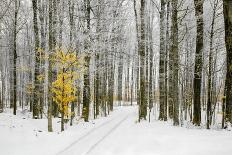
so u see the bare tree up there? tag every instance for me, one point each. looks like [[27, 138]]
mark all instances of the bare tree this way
[[228, 35], [198, 62]]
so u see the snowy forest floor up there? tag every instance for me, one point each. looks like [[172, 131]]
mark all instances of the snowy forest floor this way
[[118, 134]]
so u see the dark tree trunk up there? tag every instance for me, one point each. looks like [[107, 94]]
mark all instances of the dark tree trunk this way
[[71, 23], [132, 83], [50, 40], [37, 62], [71, 40], [42, 6], [120, 73], [223, 111], [104, 85], [97, 84], [141, 50], [97, 63], [174, 62], [228, 35], [15, 57], [55, 109], [111, 84], [86, 91], [151, 97], [162, 73], [198, 62], [61, 22]]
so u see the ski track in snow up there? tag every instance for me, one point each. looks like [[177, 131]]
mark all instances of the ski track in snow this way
[[106, 135], [87, 135]]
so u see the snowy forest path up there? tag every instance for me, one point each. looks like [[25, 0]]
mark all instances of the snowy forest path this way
[[86, 143]]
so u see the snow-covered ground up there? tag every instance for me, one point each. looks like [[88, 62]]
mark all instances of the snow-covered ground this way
[[118, 134]]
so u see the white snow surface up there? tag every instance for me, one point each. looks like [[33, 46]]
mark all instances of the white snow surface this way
[[117, 134]]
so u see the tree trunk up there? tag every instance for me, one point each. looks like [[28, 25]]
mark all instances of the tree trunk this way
[[15, 57], [71, 40], [97, 84], [86, 91], [228, 35], [141, 50], [111, 84], [198, 62], [55, 109], [174, 62], [37, 62], [42, 6], [162, 73], [120, 73], [62, 104], [50, 40], [167, 108]]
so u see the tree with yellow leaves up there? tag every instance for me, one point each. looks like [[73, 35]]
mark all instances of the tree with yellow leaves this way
[[63, 88]]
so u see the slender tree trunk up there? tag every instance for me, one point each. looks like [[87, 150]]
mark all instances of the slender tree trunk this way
[[132, 83], [174, 61], [86, 91], [141, 49], [50, 39], [167, 108], [97, 84], [104, 84], [42, 6], [15, 56], [223, 111], [71, 23], [151, 56], [62, 104], [111, 83], [97, 63], [162, 74], [55, 109], [137, 59], [37, 62], [61, 21], [120, 73]]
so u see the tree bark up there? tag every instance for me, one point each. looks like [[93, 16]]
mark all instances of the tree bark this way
[[42, 6], [228, 40], [198, 62], [162, 73], [71, 40], [174, 64], [120, 73], [55, 109], [50, 40], [37, 62], [15, 57], [141, 50], [86, 91]]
